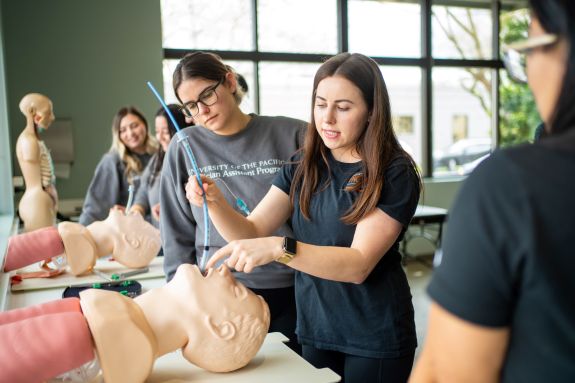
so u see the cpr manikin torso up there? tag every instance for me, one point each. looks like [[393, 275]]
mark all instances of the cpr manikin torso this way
[[38, 205], [131, 240], [218, 323]]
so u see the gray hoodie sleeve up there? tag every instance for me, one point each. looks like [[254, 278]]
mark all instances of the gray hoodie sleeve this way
[[177, 224], [105, 190], [141, 197]]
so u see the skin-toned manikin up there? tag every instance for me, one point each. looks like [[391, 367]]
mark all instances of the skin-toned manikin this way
[[131, 240], [217, 322], [38, 205]]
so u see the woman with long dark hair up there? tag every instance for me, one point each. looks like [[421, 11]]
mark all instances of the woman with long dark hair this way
[[349, 195], [503, 306]]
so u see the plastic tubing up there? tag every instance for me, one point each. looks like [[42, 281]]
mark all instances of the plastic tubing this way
[[239, 202], [183, 139], [130, 198]]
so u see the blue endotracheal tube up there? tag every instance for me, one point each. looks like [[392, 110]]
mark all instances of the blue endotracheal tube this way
[[183, 140]]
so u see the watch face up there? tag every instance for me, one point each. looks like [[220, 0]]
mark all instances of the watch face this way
[[290, 245]]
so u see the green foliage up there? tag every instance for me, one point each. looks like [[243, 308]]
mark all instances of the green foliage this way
[[514, 26], [518, 112]]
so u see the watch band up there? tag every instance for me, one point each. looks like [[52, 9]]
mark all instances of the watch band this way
[[289, 248]]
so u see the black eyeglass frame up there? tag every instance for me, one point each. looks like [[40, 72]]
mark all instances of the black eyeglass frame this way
[[186, 109]]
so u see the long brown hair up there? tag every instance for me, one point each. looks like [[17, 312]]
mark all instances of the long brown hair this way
[[377, 145], [133, 165]]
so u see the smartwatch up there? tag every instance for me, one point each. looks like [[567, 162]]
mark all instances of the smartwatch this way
[[289, 248]]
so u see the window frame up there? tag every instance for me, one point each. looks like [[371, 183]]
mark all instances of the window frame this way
[[426, 63]]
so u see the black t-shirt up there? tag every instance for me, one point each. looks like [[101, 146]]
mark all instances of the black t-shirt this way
[[508, 258], [373, 319]]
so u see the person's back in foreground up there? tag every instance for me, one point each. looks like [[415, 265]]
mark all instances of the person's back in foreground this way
[[503, 292]]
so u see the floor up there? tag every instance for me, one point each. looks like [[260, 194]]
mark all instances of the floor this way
[[419, 274]]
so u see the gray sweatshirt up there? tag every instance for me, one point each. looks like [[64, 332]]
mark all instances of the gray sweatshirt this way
[[247, 162], [108, 187], [148, 193]]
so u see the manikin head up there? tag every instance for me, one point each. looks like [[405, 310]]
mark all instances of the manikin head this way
[[39, 108], [226, 323], [135, 242]]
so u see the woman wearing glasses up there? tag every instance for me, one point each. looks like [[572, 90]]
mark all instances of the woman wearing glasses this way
[[132, 147], [503, 306], [242, 152]]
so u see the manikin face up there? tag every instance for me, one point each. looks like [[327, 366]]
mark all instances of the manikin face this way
[[44, 114], [135, 241], [215, 292], [162, 132], [133, 133], [219, 313], [340, 115], [217, 116], [545, 71]]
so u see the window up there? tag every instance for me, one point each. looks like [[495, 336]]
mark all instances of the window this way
[[439, 59], [460, 95], [201, 24], [285, 89], [461, 32], [296, 26], [374, 28], [404, 88]]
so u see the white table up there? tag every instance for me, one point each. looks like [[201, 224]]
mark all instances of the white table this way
[[275, 362], [423, 217]]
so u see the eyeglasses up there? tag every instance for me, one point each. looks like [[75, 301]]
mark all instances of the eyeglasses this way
[[515, 55], [208, 97]]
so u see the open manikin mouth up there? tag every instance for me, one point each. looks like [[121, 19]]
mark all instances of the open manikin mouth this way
[[208, 272], [211, 270]]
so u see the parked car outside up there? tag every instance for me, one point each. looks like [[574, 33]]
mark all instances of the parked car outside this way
[[468, 167], [462, 152]]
